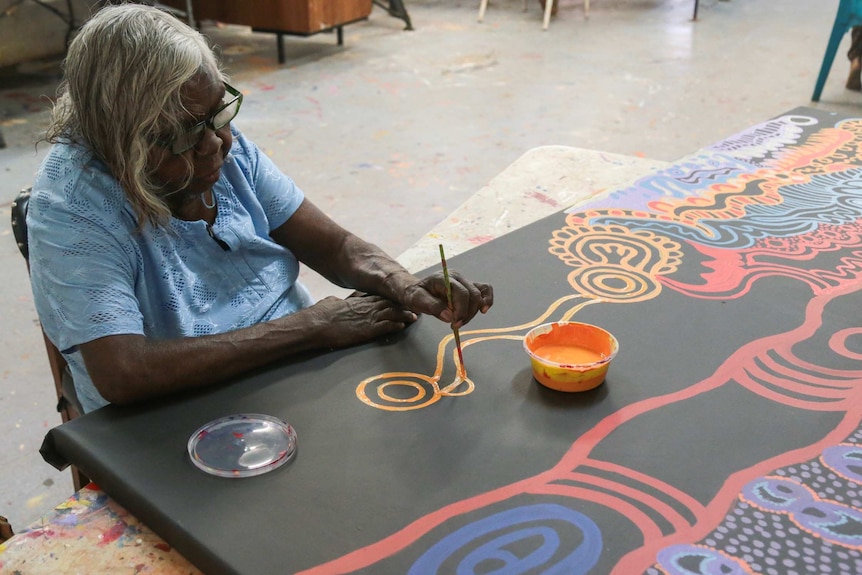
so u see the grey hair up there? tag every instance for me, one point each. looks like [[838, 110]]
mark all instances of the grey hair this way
[[124, 74]]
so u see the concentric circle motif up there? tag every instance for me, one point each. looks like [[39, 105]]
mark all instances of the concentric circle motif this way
[[615, 263]]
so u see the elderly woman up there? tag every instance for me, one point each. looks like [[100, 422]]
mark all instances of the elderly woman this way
[[165, 246]]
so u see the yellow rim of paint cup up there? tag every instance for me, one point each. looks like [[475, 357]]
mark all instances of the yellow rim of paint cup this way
[[590, 339]]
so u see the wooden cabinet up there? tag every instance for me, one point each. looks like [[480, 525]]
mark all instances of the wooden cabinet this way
[[293, 17], [302, 17]]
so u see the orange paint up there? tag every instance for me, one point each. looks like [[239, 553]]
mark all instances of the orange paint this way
[[575, 336], [568, 354]]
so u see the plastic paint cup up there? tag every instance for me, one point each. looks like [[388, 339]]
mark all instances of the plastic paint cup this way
[[570, 356]]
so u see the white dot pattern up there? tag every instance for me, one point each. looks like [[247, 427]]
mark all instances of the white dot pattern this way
[[772, 543]]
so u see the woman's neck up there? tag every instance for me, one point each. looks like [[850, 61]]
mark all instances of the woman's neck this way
[[194, 207]]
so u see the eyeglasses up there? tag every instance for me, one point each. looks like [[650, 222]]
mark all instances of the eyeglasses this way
[[193, 135]]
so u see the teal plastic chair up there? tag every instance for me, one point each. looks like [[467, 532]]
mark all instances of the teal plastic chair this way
[[849, 15]]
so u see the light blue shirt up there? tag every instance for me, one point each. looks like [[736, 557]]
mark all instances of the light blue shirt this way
[[94, 275]]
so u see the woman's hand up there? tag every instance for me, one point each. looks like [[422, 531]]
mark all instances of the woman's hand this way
[[468, 297], [349, 261], [359, 318]]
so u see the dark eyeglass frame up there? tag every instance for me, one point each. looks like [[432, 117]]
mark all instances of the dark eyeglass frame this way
[[193, 135]]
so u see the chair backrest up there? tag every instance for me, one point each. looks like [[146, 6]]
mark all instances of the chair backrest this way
[[851, 12], [67, 400], [19, 221]]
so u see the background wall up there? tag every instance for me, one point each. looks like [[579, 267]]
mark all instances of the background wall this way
[[29, 31]]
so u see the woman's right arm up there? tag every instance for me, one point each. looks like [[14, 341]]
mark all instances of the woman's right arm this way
[[130, 368]]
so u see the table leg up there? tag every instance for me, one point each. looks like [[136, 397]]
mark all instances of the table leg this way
[[396, 8], [190, 16], [483, 5], [546, 21], [279, 39]]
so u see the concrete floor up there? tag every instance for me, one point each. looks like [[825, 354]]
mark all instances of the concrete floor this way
[[392, 131]]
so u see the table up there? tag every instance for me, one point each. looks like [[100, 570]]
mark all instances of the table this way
[[90, 531], [725, 440]]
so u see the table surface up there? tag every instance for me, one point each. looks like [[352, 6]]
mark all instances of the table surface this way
[[91, 532], [726, 438]]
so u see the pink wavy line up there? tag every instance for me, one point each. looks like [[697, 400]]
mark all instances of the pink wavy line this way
[[628, 510], [690, 503], [755, 375], [672, 515], [736, 287], [842, 378]]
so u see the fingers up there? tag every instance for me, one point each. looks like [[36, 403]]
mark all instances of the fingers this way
[[468, 298], [379, 309], [487, 292], [428, 296], [359, 318], [382, 316], [392, 313]]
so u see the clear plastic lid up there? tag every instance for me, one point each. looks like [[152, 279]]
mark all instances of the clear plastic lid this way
[[242, 445]]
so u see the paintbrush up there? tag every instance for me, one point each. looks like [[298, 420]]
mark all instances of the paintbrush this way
[[462, 369]]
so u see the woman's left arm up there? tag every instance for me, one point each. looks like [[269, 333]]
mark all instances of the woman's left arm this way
[[348, 261]]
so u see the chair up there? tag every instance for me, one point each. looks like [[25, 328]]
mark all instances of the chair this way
[[67, 400], [549, 5], [6, 532], [849, 15]]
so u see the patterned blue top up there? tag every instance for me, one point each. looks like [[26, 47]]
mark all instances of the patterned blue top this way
[[94, 275]]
